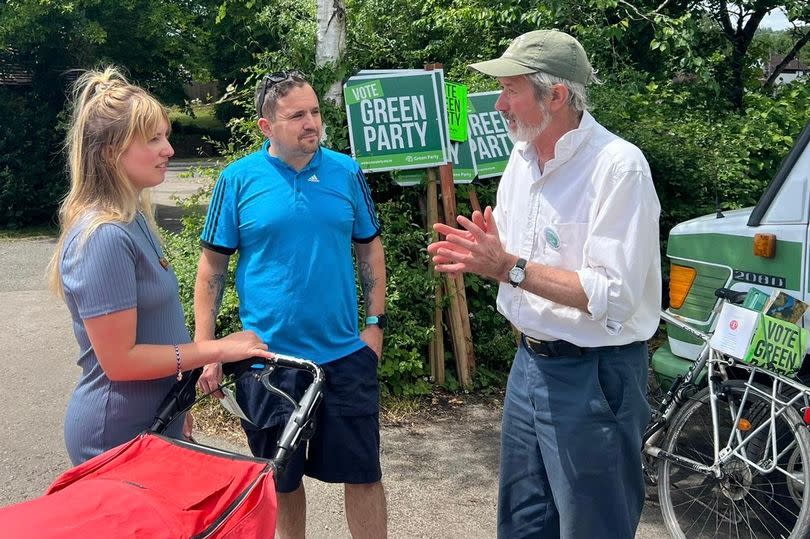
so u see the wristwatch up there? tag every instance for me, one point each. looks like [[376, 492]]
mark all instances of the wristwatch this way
[[379, 320], [518, 272]]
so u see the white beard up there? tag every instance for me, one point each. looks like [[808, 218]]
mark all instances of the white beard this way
[[527, 133]]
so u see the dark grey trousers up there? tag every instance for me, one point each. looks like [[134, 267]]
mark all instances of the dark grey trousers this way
[[571, 445]]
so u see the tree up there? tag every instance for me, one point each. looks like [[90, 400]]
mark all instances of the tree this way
[[158, 42], [739, 23], [331, 42], [239, 33]]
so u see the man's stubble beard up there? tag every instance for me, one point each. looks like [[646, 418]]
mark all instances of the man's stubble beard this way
[[301, 149]]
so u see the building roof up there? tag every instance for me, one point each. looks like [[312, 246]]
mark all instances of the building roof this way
[[794, 66], [11, 73]]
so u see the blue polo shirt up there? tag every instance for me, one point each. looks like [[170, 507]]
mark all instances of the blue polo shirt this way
[[294, 232]]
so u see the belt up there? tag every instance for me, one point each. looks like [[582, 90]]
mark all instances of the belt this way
[[552, 348]]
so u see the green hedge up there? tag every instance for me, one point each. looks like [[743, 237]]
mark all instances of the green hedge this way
[[700, 156], [32, 170]]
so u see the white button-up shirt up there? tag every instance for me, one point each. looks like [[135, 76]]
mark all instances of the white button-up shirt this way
[[592, 210]]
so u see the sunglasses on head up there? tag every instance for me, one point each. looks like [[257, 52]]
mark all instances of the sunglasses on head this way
[[275, 78]]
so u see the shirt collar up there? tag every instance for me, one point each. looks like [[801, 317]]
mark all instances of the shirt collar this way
[[571, 141]]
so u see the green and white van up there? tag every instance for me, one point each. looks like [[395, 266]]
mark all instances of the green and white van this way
[[765, 246]]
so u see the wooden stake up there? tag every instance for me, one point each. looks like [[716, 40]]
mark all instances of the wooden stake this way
[[464, 311], [457, 331], [437, 345], [455, 286], [459, 317], [476, 206], [436, 353]]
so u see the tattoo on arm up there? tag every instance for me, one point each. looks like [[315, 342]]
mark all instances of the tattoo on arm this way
[[216, 285], [367, 281]]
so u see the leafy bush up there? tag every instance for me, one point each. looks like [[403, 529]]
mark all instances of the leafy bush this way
[[409, 300], [699, 155], [32, 171]]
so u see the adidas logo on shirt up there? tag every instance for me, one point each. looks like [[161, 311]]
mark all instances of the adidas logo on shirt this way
[[313, 179]]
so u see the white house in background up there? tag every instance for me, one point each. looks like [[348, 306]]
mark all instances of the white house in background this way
[[792, 71]]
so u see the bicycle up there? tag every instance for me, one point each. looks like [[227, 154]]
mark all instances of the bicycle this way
[[732, 458]]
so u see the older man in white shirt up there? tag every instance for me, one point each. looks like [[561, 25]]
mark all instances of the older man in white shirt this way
[[573, 242]]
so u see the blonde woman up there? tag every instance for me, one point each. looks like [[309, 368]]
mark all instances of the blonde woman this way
[[111, 271]]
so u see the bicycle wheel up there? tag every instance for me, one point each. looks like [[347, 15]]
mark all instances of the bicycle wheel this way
[[743, 503]]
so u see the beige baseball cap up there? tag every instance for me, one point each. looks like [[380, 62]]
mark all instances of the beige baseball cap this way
[[549, 51]]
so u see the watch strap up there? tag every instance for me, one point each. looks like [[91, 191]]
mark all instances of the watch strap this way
[[521, 265], [378, 320]]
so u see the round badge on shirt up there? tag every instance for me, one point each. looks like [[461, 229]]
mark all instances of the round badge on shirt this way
[[552, 239]]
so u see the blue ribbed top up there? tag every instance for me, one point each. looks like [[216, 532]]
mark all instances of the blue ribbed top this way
[[115, 269]]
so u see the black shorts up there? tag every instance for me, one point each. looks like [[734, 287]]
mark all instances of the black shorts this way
[[345, 447]]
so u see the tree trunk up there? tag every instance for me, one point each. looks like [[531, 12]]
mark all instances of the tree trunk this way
[[740, 34], [331, 41]]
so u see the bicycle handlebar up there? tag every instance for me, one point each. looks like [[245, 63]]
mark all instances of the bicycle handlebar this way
[[732, 296]]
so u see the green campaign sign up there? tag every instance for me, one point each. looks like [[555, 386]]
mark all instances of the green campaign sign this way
[[397, 120], [464, 167], [777, 345], [456, 110], [489, 134]]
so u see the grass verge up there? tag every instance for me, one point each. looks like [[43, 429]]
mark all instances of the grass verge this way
[[29, 233], [204, 117]]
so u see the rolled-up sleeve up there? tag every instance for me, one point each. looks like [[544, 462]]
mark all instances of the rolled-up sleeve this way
[[621, 243]]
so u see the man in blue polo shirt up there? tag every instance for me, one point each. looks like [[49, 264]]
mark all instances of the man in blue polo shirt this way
[[293, 210]]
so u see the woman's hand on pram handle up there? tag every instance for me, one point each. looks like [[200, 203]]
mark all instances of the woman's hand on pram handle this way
[[235, 347], [242, 345]]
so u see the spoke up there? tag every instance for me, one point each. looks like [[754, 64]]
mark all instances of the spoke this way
[[769, 513], [691, 497], [766, 528], [775, 497], [700, 502], [744, 518], [770, 503], [705, 507]]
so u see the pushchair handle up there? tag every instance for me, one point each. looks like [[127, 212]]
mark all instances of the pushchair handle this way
[[299, 427], [181, 397], [300, 424]]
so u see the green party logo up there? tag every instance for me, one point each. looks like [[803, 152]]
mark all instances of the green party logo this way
[[552, 239]]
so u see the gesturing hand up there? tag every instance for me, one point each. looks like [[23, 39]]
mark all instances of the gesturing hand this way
[[476, 248]]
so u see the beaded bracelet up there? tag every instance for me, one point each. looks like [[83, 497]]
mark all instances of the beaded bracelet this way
[[177, 357]]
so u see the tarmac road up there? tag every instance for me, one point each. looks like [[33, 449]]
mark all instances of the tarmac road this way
[[440, 476]]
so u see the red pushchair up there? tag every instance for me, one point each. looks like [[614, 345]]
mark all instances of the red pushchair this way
[[159, 487]]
